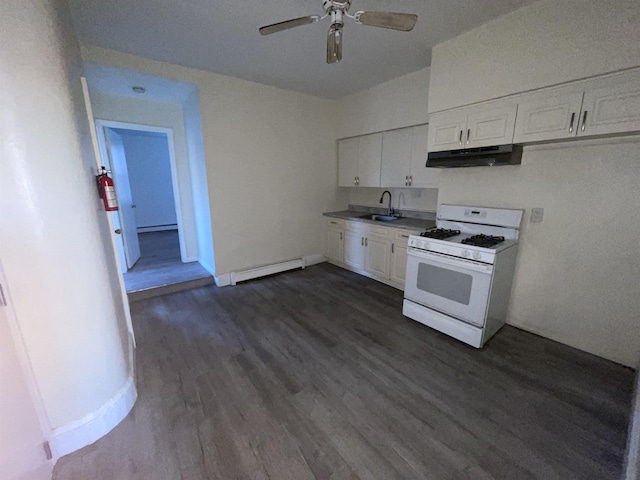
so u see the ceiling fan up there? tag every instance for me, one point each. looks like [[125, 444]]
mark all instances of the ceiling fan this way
[[337, 10]]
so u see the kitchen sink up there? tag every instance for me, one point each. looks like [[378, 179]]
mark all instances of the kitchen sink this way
[[379, 218]]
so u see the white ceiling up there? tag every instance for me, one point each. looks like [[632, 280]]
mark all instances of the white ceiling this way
[[222, 36]]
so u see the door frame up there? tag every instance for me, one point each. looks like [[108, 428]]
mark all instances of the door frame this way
[[101, 124]]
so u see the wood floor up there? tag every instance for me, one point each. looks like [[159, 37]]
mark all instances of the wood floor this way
[[316, 374], [160, 263]]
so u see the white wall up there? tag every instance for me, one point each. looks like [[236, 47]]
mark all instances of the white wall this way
[[157, 114], [271, 167], [577, 275], [197, 163], [545, 43], [58, 259], [149, 168], [398, 103]]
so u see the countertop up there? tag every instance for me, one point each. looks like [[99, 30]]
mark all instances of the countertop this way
[[407, 222]]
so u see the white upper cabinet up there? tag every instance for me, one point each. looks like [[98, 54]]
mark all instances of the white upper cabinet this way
[[602, 106], [549, 115], [348, 162], [359, 160], [446, 130], [611, 108], [404, 156], [396, 158], [477, 126], [369, 160]]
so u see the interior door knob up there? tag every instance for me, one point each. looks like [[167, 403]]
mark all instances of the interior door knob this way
[[118, 231]]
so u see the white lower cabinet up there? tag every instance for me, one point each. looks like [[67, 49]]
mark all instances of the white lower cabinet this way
[[378, 252], [335, 239], [354, 249], [398, 267]]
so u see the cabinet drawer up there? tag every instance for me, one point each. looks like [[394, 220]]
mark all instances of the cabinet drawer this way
[[380, 232], [335, 223], [402, 236], [355, 226]]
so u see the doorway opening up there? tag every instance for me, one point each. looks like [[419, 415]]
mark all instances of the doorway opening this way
[[148, 225]]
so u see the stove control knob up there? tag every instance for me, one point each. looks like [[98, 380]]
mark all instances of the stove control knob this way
[[465, 253], [477, 255]]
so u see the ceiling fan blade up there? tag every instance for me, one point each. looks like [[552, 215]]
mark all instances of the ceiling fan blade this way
[[296, 22], [395, 21], [334, 44]]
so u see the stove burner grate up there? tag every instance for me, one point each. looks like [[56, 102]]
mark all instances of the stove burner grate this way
[[485, 241], [440, 233]]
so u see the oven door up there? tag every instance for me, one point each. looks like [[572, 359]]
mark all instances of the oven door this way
[[455, 286]]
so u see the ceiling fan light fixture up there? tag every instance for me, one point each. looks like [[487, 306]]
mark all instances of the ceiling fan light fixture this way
[[334, 43]]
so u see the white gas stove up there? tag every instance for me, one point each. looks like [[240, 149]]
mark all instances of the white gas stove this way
[[459, 273]]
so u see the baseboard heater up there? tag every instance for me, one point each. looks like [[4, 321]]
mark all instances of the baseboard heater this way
[[243, 275]]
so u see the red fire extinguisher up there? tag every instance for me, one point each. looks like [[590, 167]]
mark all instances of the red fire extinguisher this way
[[106, 190]]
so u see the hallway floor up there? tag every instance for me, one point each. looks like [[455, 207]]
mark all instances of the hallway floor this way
[[316, 374], [160, 263]]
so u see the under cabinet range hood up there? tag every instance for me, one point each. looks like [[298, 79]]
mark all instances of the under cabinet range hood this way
[[476, 157]]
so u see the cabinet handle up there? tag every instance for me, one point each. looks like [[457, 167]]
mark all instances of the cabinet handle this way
[[355, 180], [392, 249], [366, 242], [573, 117], [340, 235], [406, 180], [468, 135], [404, 236], [334, 223], [460, 138], [410, 180], [584, 121], [362, 241]]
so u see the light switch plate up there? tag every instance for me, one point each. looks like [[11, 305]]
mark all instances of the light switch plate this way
[[537, 214]]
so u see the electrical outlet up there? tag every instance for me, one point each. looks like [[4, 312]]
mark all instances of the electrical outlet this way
[[537, 214]]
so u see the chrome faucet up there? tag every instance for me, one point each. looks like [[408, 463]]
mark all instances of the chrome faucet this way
[[389, 209]]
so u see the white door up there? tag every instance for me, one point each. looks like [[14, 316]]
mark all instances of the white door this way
[[369, 160], [544, 118], [377, 256], [354, 249], [612, 109], [21, 437], [348, 162], [396, 158], [490, 126], [420, 175], [446, 130], [335, 249], [126, 213]]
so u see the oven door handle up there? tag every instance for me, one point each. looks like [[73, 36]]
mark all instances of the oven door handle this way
[[449, 260]]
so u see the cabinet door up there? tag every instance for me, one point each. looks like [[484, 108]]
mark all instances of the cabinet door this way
[[354, 248], [612, 109], [348, 161], [446, 130], [369, 160], [378, 252], [420, 175], [543, 118], [335, 249], [398, 268], [396, 158], [487, 126]]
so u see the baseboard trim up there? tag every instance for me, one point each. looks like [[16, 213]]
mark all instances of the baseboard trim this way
[[263, 270], [222, 280], [85, 431]]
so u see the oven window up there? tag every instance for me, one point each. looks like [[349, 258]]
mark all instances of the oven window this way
[[445, 283]]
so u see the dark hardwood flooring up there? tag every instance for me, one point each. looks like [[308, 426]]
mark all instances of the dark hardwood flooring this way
[[160, 263], [316, 374]]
